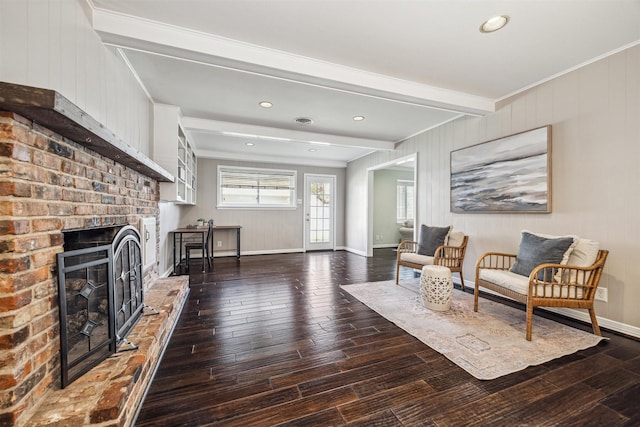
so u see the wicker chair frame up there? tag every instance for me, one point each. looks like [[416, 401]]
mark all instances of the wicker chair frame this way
[[575, 289], [447, 256]]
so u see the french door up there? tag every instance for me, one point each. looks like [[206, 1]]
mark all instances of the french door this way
[[319, 212]]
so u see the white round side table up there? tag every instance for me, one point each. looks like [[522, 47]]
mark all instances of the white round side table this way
[[436, 287]]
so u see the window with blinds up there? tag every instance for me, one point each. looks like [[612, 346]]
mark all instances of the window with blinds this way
[[256, 188]]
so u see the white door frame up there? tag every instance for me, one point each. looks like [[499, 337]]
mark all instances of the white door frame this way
[[370, 194], [305, 223]]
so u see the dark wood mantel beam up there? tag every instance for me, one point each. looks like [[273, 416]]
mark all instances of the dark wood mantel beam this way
[[50, 109]]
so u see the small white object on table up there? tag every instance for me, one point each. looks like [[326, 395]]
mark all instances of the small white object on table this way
[[436, 287]]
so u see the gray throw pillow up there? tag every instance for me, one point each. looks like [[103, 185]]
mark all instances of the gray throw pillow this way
[[431, 238], [535, 250]]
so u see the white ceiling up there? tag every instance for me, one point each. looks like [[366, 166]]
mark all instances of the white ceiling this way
[[405, 65]]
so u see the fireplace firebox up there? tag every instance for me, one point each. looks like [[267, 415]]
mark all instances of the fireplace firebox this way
[[101, 296]]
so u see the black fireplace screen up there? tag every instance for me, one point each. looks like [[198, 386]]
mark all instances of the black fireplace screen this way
[[100, 300], [127, 264]]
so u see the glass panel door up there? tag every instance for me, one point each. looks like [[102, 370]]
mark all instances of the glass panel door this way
[[319, 212]]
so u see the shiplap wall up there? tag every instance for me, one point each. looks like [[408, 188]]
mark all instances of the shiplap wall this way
[[595, 114], [50, 44]]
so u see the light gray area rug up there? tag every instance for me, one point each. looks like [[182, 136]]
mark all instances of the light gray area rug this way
[[487, 344]]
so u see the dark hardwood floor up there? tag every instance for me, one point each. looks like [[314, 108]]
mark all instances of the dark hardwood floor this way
[[272, 340]]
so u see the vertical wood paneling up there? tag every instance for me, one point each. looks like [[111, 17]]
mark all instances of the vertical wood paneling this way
[[111, 88], [14, 26], [616, 140], [629, 242], [51, 44], [543, 105], [595, 114], [593, 131], [91, 66], [80, 39], [566, 129], [520, 113], [54, 43], [68, 52], [37, 44]]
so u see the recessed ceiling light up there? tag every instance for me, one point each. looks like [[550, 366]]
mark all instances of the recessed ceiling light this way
[[265, 104], [358, 118], [304, 120], [312, 150], [494, 24], [249, 144]]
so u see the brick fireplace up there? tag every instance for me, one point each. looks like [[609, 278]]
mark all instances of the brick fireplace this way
[[51, 185]]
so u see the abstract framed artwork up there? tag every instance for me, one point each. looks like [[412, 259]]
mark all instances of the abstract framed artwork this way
[[509, 174]]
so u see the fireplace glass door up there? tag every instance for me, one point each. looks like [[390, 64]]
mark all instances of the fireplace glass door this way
[[86, 329], [101, 296]]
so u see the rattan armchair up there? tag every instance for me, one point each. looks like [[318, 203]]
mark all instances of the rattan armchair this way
[[550, 285], [445, 255]]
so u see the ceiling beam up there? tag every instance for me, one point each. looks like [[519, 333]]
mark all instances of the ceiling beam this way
[[134, 33], [193, 124], [260, 158]]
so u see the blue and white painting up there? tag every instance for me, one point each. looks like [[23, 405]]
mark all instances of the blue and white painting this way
[[510, 174]]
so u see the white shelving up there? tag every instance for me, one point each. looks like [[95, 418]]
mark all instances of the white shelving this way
[[173, 151]]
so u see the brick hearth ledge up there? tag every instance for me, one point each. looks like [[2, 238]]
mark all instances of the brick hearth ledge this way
[[111, 393]]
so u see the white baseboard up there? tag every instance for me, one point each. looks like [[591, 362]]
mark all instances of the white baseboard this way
[[613, 325], [356, 251], [260, 252], [583, 316], [232, 253], [221, 254]]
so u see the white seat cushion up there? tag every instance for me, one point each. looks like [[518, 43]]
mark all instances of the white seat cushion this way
[[416, 258], [506, 279], [520, 284]]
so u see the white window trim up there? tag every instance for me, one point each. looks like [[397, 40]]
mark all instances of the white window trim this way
[[405, 183], [225, 168]]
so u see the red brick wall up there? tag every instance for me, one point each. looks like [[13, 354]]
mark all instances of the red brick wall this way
[[48, 184]]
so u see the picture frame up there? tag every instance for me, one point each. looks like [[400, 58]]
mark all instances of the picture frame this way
[[511, 174]]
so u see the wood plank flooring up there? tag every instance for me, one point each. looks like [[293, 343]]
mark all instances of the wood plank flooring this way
[[272, 340]]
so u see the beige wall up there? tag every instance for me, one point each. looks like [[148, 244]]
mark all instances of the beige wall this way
[[51, 44], [384, 205], [595, 114], [263, 231]]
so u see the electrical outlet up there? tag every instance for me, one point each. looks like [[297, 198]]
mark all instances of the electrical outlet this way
[[219, 243], [602, 294]]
